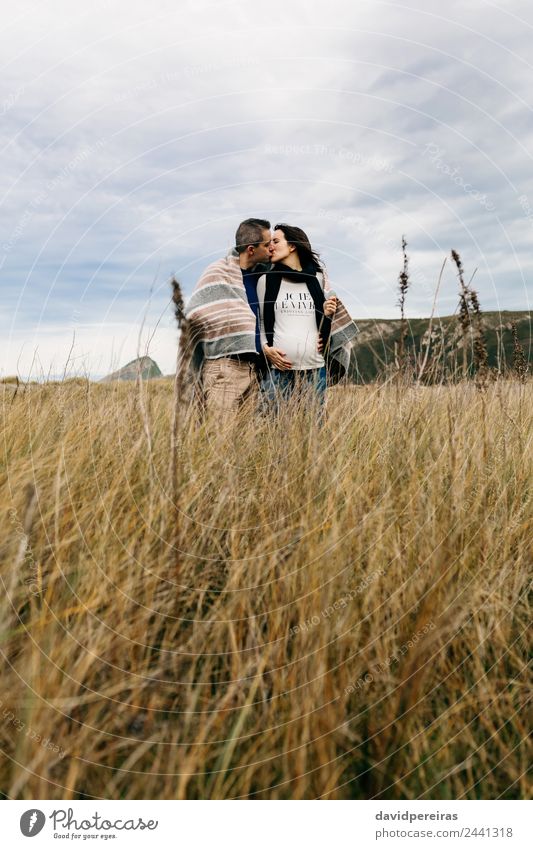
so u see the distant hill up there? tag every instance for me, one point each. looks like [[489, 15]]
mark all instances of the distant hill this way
[[147, 368], [373, 353]]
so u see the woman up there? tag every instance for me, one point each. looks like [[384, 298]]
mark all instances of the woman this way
[[295, 317]]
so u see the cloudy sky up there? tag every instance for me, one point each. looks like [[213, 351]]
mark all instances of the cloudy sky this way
[[136, 135]]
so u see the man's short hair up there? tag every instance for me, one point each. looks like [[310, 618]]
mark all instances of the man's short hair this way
[[250, 232]]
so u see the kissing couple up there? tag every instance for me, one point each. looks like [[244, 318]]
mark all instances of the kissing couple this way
[[265, 323]]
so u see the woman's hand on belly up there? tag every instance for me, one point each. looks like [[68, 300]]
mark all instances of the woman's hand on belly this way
[[277, 358]]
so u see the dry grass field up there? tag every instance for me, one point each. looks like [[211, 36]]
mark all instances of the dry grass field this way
[[335, 612]]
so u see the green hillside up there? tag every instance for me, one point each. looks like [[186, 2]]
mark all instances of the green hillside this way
[[374, 353]]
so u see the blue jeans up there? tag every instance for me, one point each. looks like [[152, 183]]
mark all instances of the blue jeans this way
[[279, 386]]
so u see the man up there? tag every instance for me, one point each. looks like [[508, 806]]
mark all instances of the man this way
[[223, 320]]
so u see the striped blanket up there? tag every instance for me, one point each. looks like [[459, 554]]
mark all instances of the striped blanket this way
[[221, 321]]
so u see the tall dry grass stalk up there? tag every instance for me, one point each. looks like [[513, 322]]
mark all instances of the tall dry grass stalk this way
[[403, 288], [349, 618], [472, 328], [180, 388], [436, 353], [520, 364]]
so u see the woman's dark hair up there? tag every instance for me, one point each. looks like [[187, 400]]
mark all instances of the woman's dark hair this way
[[295, 236]]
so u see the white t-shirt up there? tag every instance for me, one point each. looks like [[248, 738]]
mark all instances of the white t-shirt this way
[[295, 330]]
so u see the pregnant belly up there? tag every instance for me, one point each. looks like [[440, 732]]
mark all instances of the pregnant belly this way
[[301, 351]]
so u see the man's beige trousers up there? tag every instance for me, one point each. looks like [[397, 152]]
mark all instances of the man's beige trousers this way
[[228, 384]]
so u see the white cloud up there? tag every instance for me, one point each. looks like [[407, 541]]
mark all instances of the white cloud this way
[[135, 138]]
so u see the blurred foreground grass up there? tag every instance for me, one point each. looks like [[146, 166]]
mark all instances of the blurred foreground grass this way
[[336, 612]]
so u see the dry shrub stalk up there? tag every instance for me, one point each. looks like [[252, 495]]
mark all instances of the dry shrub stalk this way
[[403, 287], [471, 323], [520, 364]]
